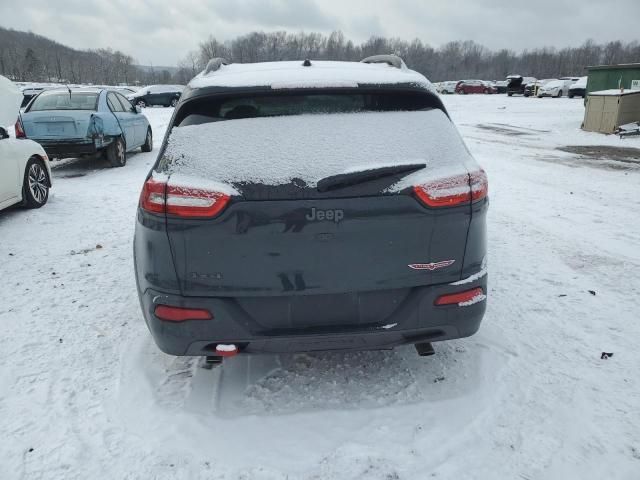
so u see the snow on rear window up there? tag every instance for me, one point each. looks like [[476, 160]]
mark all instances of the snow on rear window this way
[[275, 150]]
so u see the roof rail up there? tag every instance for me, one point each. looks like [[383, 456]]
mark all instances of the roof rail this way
[[215, 64], [393, 60]]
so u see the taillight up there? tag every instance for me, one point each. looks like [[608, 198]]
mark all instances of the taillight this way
[[195, 202], [179, 314], [462, 299], [479, 185], [158, 197], [152, 196], [453, 191], [19, 130]]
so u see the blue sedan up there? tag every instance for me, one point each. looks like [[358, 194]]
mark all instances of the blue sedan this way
[[73, 122]]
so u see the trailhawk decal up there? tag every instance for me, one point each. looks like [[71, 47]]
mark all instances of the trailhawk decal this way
[[432, 266]]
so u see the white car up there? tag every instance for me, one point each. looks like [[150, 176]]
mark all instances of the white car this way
[[25, 175], [447, 87], [555, 88]]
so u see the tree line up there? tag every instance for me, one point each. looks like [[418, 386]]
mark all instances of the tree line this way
[[27, 57], [451, 61], [30, 57]]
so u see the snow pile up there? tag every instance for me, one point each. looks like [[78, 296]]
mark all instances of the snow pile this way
[[275, 150]]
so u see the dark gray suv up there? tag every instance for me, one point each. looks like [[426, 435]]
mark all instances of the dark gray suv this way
[[302, 206]]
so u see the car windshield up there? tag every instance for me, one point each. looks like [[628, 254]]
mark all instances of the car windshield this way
[[217, 109], [63, 100]]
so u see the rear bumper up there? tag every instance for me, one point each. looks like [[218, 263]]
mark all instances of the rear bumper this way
[[415, 320], [71, 148]]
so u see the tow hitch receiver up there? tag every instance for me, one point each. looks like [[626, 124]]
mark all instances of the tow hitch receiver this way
[[425, 349]]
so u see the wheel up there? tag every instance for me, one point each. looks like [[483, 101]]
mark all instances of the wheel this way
[[510, 94], [486, 91], [174, 102], [116, 153], [570, 95], [141, 104], [148, 143], [559, 94], [35, 190]]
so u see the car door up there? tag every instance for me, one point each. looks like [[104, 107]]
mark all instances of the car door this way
[[136, 118], [125, 120], [154, 96], [10, 181]]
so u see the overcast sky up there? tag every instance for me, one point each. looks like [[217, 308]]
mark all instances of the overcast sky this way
[[162, 31]]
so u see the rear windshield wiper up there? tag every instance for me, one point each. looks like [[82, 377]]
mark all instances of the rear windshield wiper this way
[[353, 178]]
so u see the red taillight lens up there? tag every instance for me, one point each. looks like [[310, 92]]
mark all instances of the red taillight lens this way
[[158, 197], [445, 192], [19, 130], [152, 196], [178, 314], [195, 202], [479, 185], [462, 299], [453, 191]]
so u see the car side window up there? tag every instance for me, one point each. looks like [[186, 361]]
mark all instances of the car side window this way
[[126, 104], [113, 102]]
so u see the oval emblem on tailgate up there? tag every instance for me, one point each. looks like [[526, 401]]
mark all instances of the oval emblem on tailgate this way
[[432, 266]]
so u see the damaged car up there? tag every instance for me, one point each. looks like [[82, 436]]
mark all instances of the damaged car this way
[[85, 121]]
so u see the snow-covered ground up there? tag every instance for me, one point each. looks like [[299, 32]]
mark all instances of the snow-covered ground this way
[[84, 392]]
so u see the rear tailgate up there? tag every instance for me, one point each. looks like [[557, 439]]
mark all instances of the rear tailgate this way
[[294, 256], [258, 248]]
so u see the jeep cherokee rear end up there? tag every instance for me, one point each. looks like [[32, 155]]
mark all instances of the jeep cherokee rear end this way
[[294, 209]]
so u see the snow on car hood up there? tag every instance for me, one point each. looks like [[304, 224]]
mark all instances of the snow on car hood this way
[[275, 150], [10, 100]]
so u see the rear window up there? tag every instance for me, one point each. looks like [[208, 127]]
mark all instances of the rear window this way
[[65, 101], [217, 109]]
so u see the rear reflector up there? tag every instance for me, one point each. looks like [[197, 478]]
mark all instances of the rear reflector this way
[[462, 299], [453, 191], [158, 197], [178, 314]]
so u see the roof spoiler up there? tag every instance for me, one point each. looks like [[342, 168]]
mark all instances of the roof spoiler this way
[[215, 64], [393, 60]]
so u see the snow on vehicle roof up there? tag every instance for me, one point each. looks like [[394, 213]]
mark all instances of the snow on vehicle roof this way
[[275, 150], [321, 74]]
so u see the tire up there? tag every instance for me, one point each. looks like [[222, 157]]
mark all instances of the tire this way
[[174, 102], [141, 104], [570, 95], [559, 94], [117, 153], [148, 142], [486, 91], [35, 188]]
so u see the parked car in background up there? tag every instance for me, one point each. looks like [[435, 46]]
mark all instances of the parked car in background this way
[[125, 91], [579, 88], [555, 88], [86, 121], [236, 252], [501, 86], [447, 87], [157, 95], [25, 175], [531, 89], [517, 83], [474, 86]]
